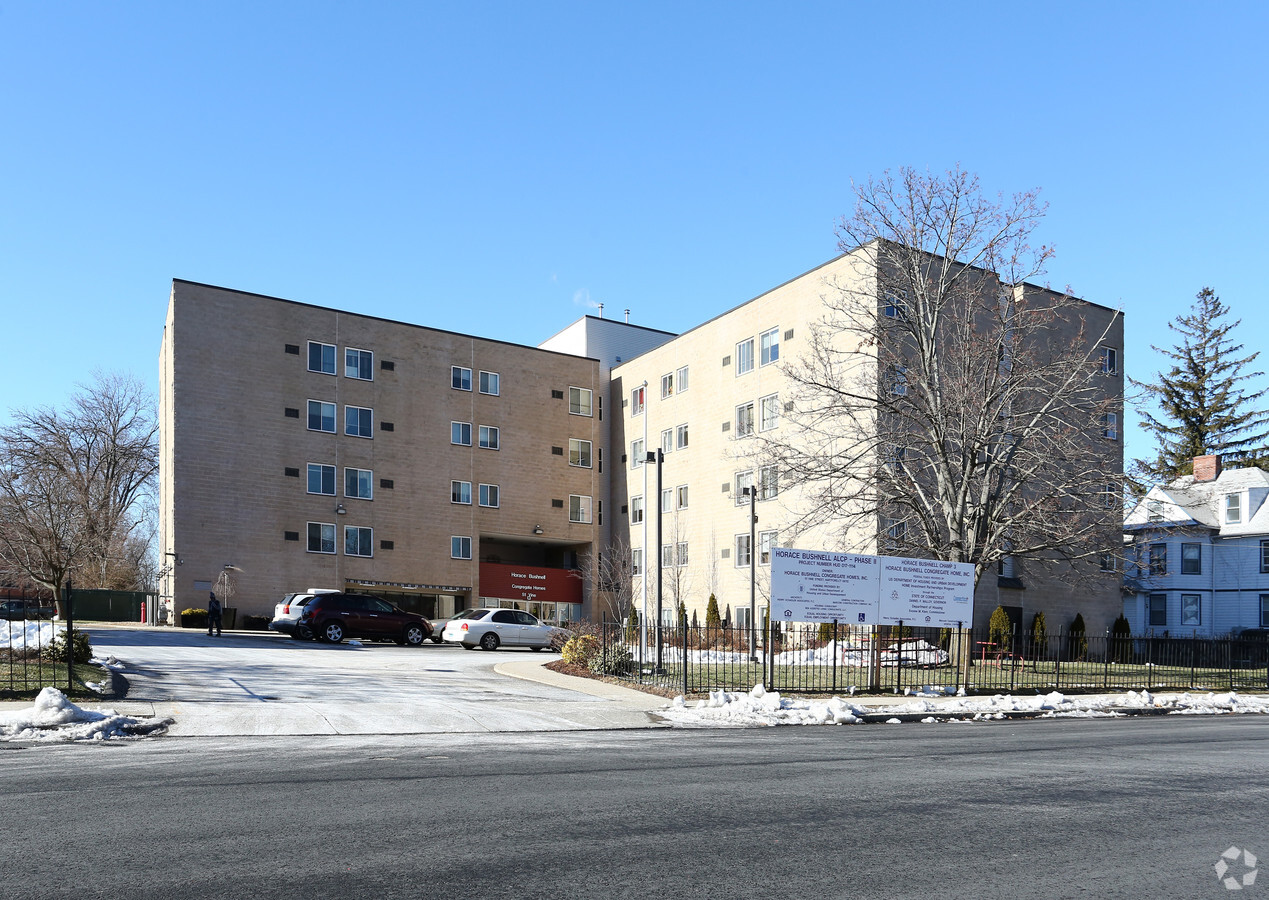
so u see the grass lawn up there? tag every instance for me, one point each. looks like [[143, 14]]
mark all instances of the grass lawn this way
[[23, 679]]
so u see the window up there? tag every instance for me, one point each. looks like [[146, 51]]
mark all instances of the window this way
[[744, 357], [636, 401], [321, 537], [1157, 610], [680, 556], [321, 416], [1158, 559], [1106, 562], [321, 479], [1108, 492], [489, 437], [743, 480], [489, 495], [358, 541], [769, 347], [636, 454], [359, 421], [743, 550], [1191, 605], [1110, 361], [489, 383], [766, 540], [1264, 610], [769, 412], [667, 556], [1264, 556], [1154, 510], [460, 492], [579, 453], [681, 376], [768, 483], [636, 561], [579, 401], [460, 433], [459, 547], [578, 508], [599, 459], [667, 500], [681, 495], [896, 305], [359, 364], [636, 510], [1110, 426], [894, 458], [1233, 508], [680, 437], [460, 378], [667, 441], [1191, 559], [359, 483], [895, 529], [899, 381], [321, 358], [744, 420], [667, 385]]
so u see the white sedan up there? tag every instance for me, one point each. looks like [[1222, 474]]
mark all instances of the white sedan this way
[[490, 629]]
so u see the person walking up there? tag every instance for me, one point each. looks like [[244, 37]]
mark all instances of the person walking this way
[[213, 615]]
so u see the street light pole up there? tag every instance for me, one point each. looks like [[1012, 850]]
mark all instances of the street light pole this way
[[659, 459], [753, 573]]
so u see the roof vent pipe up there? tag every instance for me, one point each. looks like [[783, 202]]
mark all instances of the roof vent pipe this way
[[601, 310], [627, 317]]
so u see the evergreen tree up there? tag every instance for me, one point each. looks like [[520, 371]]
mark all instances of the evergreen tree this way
[[632, 626], [1203, 401], [1000, 629], [712, 618], [1039, 635]]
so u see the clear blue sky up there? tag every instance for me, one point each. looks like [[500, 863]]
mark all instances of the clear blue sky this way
[[497, 168]]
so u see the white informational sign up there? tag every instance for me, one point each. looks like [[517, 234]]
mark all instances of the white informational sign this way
[[815, 586], [926, 592]]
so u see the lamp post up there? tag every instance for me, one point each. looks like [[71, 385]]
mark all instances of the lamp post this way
[[753, 573], [659, 459]]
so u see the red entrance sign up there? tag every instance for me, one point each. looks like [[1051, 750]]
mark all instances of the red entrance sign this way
[[529, 583]]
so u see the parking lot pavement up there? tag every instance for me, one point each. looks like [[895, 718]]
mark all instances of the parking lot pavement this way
[[253, 683]]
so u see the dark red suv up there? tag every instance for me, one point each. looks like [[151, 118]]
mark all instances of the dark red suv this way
[[333, 617]]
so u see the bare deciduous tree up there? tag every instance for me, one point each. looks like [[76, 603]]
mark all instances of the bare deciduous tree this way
[[947, 407], [71, 482]]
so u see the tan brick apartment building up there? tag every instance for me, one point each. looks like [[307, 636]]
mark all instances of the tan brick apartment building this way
[[254, 477]]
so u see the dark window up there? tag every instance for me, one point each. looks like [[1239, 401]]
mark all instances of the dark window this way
[[293, 349], [292, 413], [1158, 559], [386, 426], [385, 483], [1191, 559], [505, 616], [292, 535], [1264, 556], [1157, 610], [292, 472]]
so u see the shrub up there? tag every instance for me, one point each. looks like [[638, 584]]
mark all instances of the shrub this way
[[632, 625], [1000, 629], [580, 650], [193, 618], [712, 618], [1121, 640], [616, 660], [1077, 640], [826, 632], [682, 619], [1039, 635], [83, 648]]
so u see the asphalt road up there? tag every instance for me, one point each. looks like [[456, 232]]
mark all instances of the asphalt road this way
[[1124, 808]]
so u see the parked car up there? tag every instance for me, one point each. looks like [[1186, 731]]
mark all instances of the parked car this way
[[490, 629], [287, 613], [333, 617], [17, 610]]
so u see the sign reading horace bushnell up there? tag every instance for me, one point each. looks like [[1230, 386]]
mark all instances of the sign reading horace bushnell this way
[[815, 586], [926, 592]]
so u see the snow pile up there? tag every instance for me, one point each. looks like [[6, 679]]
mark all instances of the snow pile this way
[[55, 718], [29, 634], [759, 707]]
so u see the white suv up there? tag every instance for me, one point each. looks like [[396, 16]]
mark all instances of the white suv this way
[[287, 613]]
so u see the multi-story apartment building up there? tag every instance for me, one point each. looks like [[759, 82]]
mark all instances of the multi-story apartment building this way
[[308, 447], [1198, 553]]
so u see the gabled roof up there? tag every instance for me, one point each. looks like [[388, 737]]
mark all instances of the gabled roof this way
[[1186, 502]]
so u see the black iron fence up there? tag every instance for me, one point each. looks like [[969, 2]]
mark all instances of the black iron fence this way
[[833, 658], [31, 657]]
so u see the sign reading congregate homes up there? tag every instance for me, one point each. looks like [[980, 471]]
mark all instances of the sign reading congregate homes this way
[[816, 586]]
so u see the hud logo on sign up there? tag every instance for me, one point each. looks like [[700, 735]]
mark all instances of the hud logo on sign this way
[[1225, 864]]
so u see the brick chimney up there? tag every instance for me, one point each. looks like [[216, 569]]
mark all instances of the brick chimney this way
[[1207, 468]]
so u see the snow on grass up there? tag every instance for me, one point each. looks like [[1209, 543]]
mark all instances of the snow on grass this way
[[55, 718], [27, 635], [760, 707]]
